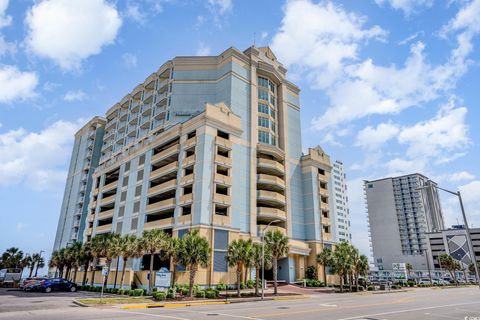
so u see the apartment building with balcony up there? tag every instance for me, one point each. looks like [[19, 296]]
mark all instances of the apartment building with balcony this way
[[399, 217], [85, 158], [340, 208], [213, 143]]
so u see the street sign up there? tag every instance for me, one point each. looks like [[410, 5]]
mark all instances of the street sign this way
[[163, 278], [105, 271]]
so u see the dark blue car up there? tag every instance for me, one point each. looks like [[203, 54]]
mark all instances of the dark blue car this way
[[56, 284]]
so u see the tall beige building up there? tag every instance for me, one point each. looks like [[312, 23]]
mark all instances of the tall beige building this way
[[213, 143]]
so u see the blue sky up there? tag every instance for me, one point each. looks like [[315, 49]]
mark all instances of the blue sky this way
[[388, 87]]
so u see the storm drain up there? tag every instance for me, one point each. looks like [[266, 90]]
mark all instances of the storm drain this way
[[212, 314], [283, 308]]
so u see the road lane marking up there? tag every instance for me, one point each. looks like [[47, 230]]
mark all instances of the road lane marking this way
[[328, 305], [223, 314], [409, 310], [152, 315]]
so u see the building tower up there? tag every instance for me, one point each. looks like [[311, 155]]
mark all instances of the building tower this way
[[340, 209]]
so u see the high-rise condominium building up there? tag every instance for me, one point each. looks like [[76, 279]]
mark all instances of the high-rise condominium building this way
[[211, 143], [340, 210], [399, 217]]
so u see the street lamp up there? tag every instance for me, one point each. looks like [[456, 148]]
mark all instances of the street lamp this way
[[467, 230], [263, 256]]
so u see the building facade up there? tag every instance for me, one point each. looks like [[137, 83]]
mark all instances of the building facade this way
[[85, 158], [399, 217], [213, 143], [340, 209]]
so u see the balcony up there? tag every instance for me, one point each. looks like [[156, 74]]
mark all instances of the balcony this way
[[322, 178], [223, 142], [220, 220], [147, 94], [189, 160], [265, 213], [261, 229], [146, 109], [188, 179], [164, 170], [166, 153], [271, 166], [108, 199], [324, 206], [159, 224], [222, 198], [220, 178], [111, 124], [105, 214], [103, 229], [186, 198], [223, 160], [323, 192], [161, 205], [269, 196], [123, 114], [169, 185], [110, 186], [271, 180]]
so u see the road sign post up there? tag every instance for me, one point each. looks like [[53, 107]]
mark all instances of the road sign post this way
[[104, 276]]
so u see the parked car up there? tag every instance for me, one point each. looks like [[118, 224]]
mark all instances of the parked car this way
[[55, 284], [28, 283], [426, 281]]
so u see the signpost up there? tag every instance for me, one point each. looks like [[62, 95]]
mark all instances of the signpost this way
[[104, 274], [163, 278]]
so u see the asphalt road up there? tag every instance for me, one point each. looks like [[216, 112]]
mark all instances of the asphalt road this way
[[426, 303]]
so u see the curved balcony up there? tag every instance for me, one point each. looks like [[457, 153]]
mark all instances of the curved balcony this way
[[261, 229], [324, 192], [324, 206], [271, 166], [161, 205], [166, 186], [222, 198], [164, 170], [270, 197], [271, 181], [269, 214]]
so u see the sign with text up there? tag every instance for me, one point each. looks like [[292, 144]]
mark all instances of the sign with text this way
[[163, 278]]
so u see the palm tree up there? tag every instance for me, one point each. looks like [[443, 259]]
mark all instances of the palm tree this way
[[53, 263], [239, 255], [173, 251], [325, 259], [409, 269], [195, 252], [39, 262], [103, 246], [73, 253], [153, 241], [450, 264], [361, 267], [61, 261], [257, 262], [342, 262], [128, 248], [12, 258], [85, 259], [355, 259], [277, 244], [27, 262]]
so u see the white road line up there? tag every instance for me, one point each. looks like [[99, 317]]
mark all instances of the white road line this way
[[152, 315], [223, 314], [436, 315], [328, 305], [409, 310]]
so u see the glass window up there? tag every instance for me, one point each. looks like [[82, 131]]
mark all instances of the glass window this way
[[263, 95], [263, 122], [263, 108], [263, 137]]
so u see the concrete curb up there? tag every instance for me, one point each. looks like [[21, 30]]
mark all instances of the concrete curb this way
[[80, 304]]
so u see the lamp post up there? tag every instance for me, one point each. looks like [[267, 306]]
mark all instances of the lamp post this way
[[467, 230], [263, 256]]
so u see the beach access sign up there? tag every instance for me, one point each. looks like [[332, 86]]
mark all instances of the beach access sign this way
[[163, 278]]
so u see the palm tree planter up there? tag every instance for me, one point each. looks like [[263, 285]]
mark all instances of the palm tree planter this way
[[277, 244], [195, 252]]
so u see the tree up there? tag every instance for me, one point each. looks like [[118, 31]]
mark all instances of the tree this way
[[27, 262], [361, 267], [239, 255], [153, 241], [450, 264], [73, 257], [39, 263], [471, 267], [257, 262], [277, 244], [12, 258], [128, 248], [355, 259], [342, 261], [325, 259], [104, 246], [172, 252], [195, 252], [409, 268], [85, 259]]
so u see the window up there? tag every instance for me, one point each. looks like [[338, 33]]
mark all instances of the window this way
[[140, 175], [223, 134], [141, 160], [220, 247], [191, 134], [125, 181], [221, 210], [220, 189], [121, 211], [134, 224], [188, 170], [187, 189], [138, 190], [263, 137], [123, 196], [263, 108], [136, 207], [263, 122], [222, 170], [186, 210], [263, 95], [223, 152]]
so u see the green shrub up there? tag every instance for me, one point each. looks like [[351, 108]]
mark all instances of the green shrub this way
[[98, 289], [184, 291], [136, 292], [200, 294], [160, 295], [242, 285], [221, 286], [247, 294], [251, 284], [114, 290], [314, 283], [311, 273], [370, 288], [171, 293], [394, 286], [411, 283], [212, 293]]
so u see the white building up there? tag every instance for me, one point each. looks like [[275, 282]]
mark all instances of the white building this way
[[341, 212]]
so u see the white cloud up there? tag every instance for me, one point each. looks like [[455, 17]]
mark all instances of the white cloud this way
[[321, 38], [129, 60], [16, 84], [410, 38], [20, 226], [203, 50], [36, 159], [461, 176], [69, 31], [134, 12], [5, 20], [372, 138], [471, 192], [219, 9], [400, 166], [438, 137], [407, 6], [74, 95]]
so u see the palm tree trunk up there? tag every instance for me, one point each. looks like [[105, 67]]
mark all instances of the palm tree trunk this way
[[123, 272], [85, 270], [275, 271], [36, 269], [341, 282], [174, 274], [31, 271], [350, 280], [257, 275], [92, 283], [116, 273], [325, 274], [239, 278], [246, 275], [150, 281], [75, 275], [193, 271]]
